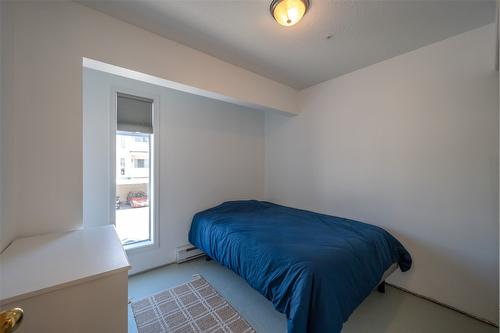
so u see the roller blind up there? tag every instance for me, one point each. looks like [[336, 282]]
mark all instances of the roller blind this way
[[134, 114]]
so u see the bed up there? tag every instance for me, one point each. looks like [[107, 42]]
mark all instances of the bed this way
[[314, 268]]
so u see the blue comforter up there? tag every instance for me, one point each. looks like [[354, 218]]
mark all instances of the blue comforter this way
[[315, 268]]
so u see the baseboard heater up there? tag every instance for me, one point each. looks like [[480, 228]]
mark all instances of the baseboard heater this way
[[187, 252]]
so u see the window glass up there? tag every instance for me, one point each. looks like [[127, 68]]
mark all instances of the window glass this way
[[133, 187]]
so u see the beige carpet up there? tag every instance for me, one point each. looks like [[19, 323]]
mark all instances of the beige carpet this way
[[191, 307]]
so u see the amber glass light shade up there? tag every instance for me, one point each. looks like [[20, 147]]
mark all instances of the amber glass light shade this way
[[288, 12]]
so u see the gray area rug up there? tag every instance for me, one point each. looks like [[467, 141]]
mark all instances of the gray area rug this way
[[191, 307]]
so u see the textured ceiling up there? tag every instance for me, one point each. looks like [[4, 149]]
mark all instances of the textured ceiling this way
[[333, 38]]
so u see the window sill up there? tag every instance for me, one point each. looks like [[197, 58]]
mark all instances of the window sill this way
[[139, 246]]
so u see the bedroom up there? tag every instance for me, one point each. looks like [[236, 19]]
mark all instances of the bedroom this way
[[382, 112]]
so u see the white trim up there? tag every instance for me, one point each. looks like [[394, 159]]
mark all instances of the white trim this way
[[154, 241], [112, 152]]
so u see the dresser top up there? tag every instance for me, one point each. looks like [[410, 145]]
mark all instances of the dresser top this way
[[34, 265]]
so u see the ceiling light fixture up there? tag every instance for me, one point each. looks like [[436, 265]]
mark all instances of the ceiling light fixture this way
[[288, 12]]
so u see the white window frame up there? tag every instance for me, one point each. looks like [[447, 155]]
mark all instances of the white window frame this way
[[154, 241]]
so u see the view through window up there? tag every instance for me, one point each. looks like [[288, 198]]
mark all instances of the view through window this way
[[133, 187]]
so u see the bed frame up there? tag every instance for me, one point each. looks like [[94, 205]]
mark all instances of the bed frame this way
[[389, 271], [380, 286]]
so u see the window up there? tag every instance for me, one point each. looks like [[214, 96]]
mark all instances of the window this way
[[122, 166], [134, 218], [141, 163]]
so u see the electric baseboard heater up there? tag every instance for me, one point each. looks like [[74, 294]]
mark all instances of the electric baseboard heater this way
[[187, 252]]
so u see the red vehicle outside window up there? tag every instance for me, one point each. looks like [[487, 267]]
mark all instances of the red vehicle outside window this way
[[137, 199]]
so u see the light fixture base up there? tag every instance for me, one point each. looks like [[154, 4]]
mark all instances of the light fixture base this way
[[288, 22]]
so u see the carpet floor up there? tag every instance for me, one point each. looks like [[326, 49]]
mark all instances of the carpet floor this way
[[392, 312]]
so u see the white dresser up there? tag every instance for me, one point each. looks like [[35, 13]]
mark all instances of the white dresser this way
[[67, 282]]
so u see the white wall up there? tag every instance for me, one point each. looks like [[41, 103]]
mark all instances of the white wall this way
[[6, 229], [44, 45], [210, 152], [498, 64], [409, 144], [5, 234]]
